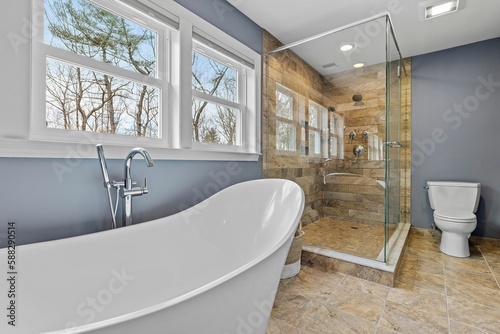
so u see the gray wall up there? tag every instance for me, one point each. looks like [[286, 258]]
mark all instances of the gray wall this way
[[227, 18], [456, 126], [46, 208]]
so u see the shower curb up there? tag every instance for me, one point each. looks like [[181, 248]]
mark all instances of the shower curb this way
[[371, 270]]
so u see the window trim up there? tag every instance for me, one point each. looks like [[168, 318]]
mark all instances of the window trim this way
[[26, 144], [298, 109], [318, 129], [241, 87], [338, 136], [41, 52]]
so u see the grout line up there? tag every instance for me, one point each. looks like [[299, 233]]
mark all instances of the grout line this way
[[489, 267], [383, 312], [324, 302], [337, 288], [446, 294], [482, 330]]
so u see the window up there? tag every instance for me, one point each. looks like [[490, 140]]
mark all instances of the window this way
[[313, 132], [223, 114], [285, 125], [290, 112], [317, 117], [375, 147], [336, 136], [116, 72], [216, 85], [102, 72]]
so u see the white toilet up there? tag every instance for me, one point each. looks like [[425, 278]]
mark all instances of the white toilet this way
[[454, 205]]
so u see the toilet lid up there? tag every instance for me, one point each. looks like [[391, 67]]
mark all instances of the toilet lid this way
[[455, 215]]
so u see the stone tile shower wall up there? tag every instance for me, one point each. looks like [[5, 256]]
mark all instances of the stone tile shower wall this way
[[406, 143], [362, 199], [358, 198], [289, 70], [344, 197]]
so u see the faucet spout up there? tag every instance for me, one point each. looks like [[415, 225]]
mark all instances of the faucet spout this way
[[127, 192], [130, 156]]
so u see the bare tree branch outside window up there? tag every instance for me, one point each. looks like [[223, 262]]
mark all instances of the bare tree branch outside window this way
[[285, 128], [83, 99], [213, 122]]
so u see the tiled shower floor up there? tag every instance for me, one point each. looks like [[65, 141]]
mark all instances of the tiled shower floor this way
[[351, 237]]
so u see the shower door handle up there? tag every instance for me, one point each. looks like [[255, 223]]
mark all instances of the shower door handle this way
[[394, 144]]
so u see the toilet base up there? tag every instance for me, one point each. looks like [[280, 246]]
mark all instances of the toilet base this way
[[455, 244]]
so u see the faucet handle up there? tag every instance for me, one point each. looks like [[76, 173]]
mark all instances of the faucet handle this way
[[117, 184], [145, 189]]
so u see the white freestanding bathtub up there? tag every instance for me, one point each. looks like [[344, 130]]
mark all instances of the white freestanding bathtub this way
[[212, 269]]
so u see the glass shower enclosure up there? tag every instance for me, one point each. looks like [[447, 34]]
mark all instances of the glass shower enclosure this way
[[332, 123]]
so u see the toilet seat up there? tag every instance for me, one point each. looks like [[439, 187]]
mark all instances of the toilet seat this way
[[456, 216]]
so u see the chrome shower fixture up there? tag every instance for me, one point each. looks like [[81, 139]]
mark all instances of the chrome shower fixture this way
[[125, 189], [128, 190], [357, 98], [352, 135], [107, 184], [358, 150]]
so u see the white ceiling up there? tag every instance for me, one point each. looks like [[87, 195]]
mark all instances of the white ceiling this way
[[293, 20]]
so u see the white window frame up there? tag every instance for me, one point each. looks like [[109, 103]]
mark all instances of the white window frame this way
[[177, 144], [41, 52], [291, 122], [321, 118], [297, 121], [240, 104], [338, 133], [375, 147]]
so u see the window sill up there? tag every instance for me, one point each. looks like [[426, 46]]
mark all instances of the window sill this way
[[23, 148]]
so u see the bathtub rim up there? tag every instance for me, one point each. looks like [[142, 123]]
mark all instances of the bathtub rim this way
[[191, 294]]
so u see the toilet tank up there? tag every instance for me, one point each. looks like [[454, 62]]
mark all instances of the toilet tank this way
[[454, 195]]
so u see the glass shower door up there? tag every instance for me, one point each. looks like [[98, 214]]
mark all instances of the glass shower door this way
[[393, 138]]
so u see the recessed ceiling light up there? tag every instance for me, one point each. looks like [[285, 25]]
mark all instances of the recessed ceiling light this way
[[358, 65], [346, 47], [441, 9]]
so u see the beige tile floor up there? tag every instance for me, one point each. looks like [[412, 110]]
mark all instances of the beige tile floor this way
[[351, 237], [434, 293]]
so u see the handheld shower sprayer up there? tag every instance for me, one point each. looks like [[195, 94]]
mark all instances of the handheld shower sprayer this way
[[107, 184], [104, 167]]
